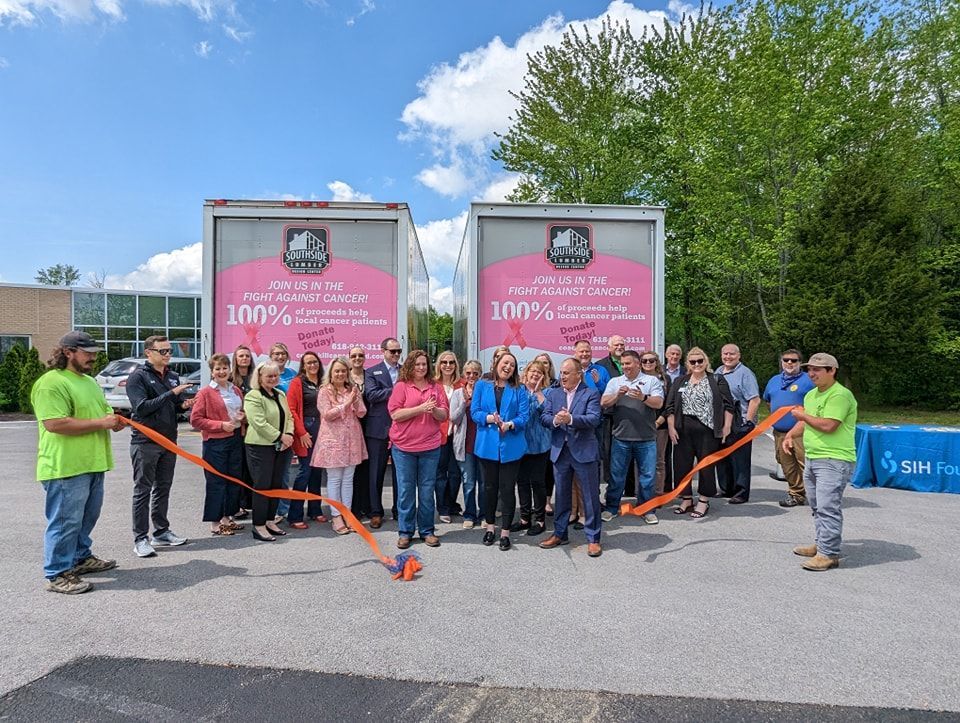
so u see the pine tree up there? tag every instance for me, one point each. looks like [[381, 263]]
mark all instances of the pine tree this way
[[31, 370], [10, 378]]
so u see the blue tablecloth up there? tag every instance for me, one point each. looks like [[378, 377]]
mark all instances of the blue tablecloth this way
[[909, 457]]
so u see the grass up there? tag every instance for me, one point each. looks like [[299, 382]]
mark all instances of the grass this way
[[898, 415]]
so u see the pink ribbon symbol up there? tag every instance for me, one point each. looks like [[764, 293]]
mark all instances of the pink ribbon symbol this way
[[253, 338], [515, 333]]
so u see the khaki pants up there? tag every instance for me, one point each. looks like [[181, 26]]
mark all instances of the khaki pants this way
[[792, 464]]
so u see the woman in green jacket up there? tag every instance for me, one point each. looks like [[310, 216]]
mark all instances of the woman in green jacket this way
[[268, 444]]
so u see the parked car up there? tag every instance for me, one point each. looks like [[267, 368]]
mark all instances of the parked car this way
[[113, 378]]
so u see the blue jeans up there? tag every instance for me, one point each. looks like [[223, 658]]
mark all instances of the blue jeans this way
[[416, 474], [622, 455], [825, 480], [72, 510], [308, 479], [448, 480], [472, 487]]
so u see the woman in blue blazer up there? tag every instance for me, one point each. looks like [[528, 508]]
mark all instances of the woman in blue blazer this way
[[500, 410]]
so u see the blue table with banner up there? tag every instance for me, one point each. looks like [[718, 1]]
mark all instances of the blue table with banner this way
[[925, 458]]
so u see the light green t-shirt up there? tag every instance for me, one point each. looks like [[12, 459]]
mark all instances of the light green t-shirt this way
[[61, 393], [838, 403]]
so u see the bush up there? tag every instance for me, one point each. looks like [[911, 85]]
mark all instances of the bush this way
[[10, 378], [99, 363], [31, 370]]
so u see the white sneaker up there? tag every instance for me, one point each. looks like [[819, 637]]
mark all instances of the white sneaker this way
[[650, 518], [445, 519], [168, 539], [468, 524], [606, 515], [143, 548]]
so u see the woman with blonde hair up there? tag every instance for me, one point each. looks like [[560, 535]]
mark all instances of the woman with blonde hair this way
[[446, 373], [340, 446], [531, 485], [464, 437], [699, 413]]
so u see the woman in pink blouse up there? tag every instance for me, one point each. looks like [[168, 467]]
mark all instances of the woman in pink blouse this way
[[340, 447]]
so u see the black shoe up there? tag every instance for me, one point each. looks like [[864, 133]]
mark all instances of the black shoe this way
[[535, 529], [488, 538], [578, 525], [278, 532], [737, 500], [520, 525], [793, 502], [504, 542], [258, 536], [241, 514], [394, 514]]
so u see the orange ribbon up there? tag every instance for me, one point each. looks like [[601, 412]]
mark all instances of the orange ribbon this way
[[404, 566], [627, 509]]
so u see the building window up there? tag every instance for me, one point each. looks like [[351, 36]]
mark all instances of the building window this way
[[181, 311], [153, 311], [8, 341], [121, 310], [88, 309]]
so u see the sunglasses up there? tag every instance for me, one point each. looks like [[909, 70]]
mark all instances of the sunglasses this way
[[394, 351], [648, 361], [448, 361], [695, 362], [164, 352], [358, 356], [790, 361]]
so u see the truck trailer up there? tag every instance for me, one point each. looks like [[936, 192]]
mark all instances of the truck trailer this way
[[539, 277], [319, 276]]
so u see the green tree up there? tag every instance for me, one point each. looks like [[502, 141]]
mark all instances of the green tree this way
[[31, 370], [58, 275], [10, 378], [99, 363], [441, 331]]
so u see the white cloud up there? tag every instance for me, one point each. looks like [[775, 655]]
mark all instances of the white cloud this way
[[235, 34], [203, 48], [27, 12], [177, 270], [4, 63], [440, 243], [343, 191], [500, 188], [462, 105], [441, 299], [366, 6]]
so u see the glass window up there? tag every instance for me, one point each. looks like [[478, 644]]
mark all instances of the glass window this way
[[183, 334], [120, 333], [88, 309], [7, 342], [95, 331], [121, 310], [181, 311], [153, 311], [120, 350]]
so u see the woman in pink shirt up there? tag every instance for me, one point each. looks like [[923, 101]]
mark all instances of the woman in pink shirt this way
[[340, 447], [417, 406]]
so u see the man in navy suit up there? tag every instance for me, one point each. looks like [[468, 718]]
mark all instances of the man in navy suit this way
[[572, 410], [377, 388]]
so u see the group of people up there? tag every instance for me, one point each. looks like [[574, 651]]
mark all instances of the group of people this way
[[491, 437]]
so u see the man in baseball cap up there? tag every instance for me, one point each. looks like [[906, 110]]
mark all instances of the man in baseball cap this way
[[80, 340], [827, 422]]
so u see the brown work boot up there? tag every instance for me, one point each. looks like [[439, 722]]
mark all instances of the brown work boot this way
[[553, 541], [594, 549], [819, 563], [376, 521], [805, 550], [432, 541], [403, 542]]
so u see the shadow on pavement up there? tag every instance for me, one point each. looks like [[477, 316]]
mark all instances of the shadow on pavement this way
[[864, 553]]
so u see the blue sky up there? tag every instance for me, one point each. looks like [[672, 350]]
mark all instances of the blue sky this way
[[118, 117]]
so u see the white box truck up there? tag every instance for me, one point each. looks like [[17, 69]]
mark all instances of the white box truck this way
[[538, 277], [316, 275]]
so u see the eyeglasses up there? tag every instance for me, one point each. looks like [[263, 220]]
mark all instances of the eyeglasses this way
[[648, 361], [790, 361], [358, 356], [696, 362], [164, 352]]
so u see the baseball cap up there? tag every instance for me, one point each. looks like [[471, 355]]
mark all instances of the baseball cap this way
[[79, 340], [822, 359]]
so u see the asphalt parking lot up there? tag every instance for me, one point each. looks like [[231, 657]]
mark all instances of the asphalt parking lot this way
[[686, 620]]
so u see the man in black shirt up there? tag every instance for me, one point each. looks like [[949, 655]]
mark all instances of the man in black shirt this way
[[154, 391]]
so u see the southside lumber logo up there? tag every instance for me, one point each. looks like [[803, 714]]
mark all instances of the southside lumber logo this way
[[306, 249], [569, 247]]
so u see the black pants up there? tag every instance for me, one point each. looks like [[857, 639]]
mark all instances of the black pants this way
[[499, 481], [733, 472], [268, 468], [531, 486], [696, 442], [152, 479], [368, 492]]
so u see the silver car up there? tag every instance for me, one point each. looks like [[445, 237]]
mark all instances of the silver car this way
[[113, 378]]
